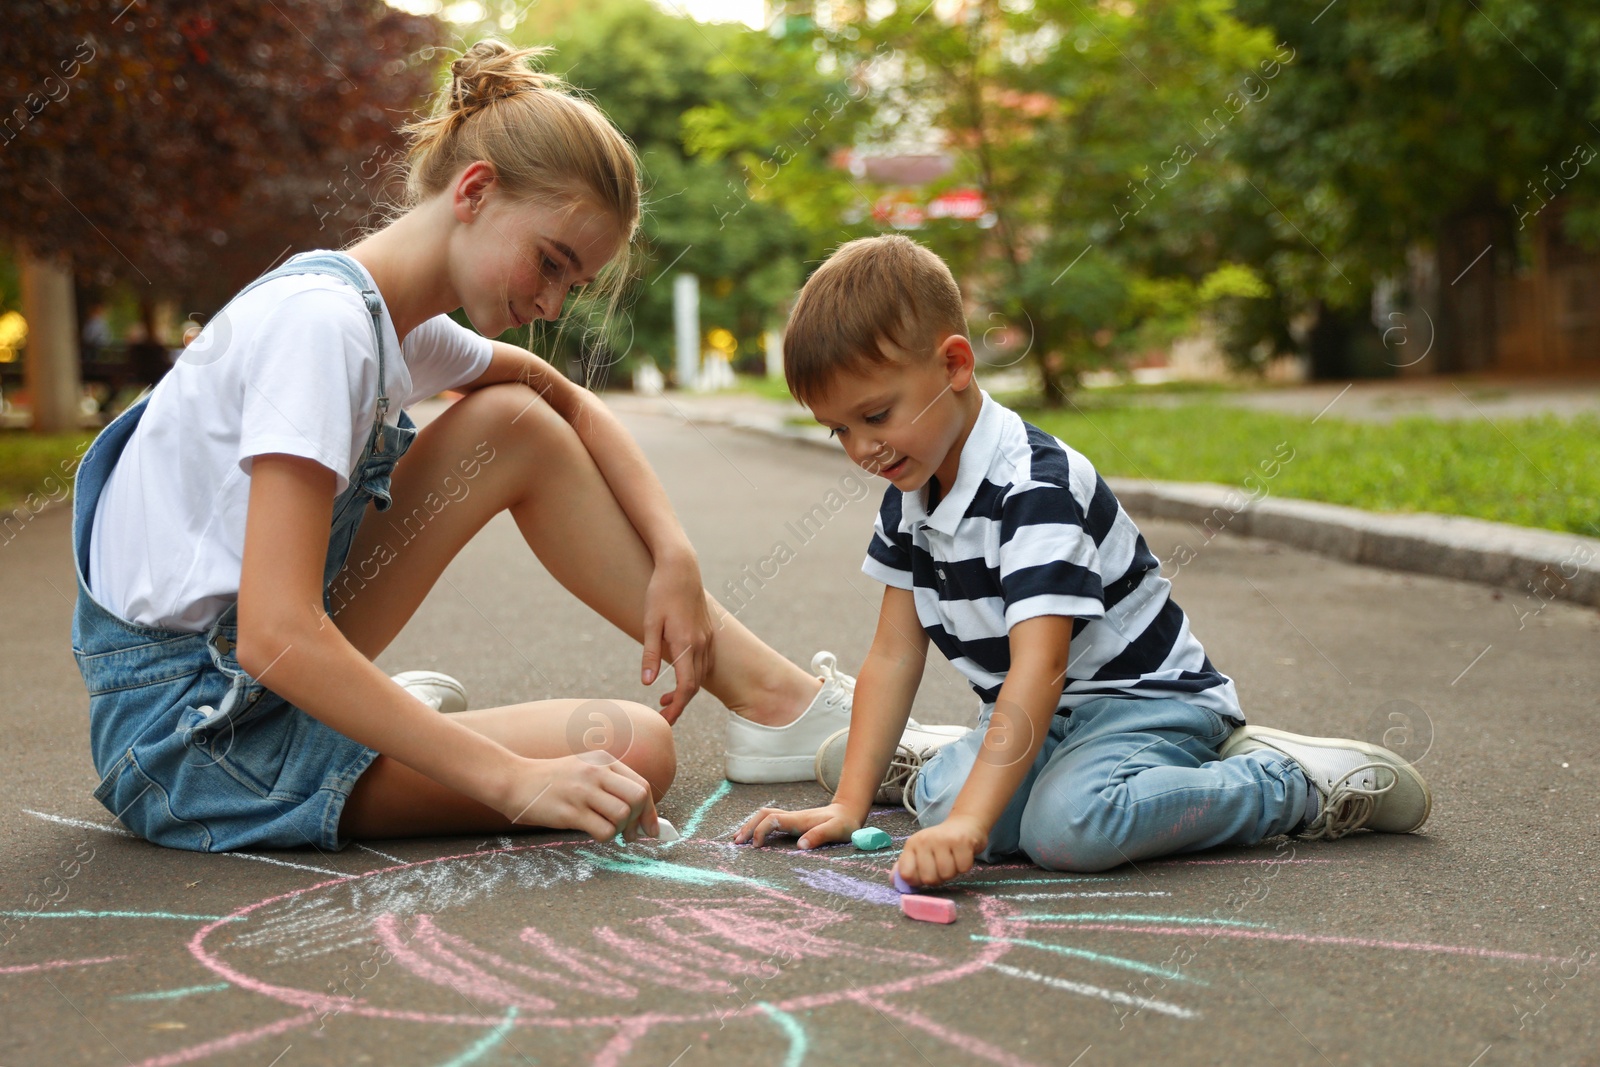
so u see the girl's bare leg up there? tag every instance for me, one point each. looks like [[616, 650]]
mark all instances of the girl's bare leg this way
[[529, 461], [392, 800], [524, 458]]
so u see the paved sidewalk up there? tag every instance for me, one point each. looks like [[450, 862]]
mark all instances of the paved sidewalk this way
[[1447, 397], [1465, 945]]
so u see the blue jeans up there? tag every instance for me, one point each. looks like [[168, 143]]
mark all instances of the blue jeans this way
[[1125, 779]]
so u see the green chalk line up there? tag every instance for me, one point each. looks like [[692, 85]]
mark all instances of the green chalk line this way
[[705, 807], [649, 867], [174, 994], [487, 1043], [796, 1033], [1092, 916]]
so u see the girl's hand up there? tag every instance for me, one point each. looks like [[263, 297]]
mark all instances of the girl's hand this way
[[816, 826], [677, 625], [594, 792], [942, 852]]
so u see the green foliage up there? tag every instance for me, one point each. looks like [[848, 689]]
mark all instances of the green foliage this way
[[1549, 477], [651, 72], [1404, 114], [1085, 131], [10, 282], [1400, 123], [1233, 280], [1131, 152]]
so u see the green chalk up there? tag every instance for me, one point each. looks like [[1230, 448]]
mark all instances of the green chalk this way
[[870, 839]]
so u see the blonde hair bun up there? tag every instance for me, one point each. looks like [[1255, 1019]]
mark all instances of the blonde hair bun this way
[[543, 138], [492, 70]]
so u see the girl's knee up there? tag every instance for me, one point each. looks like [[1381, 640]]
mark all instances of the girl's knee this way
[[512, 407], [649, 747]]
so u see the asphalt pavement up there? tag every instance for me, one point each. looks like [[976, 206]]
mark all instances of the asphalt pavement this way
[[1469, 944]]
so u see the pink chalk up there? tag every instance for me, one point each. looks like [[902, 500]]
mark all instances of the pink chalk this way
[[901, 884], [928, 909]]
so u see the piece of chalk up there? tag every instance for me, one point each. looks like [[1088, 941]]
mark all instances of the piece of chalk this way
[[928, 909], [900, 883], [870, 839], [666, 831]]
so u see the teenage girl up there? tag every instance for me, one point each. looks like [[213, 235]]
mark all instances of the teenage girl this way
[[234, 701]]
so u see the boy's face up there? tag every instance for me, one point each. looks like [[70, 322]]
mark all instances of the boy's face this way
[[904, 420]]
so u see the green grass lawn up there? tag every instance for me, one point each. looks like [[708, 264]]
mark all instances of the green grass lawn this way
[[1533, 472], [771, 388], [34, 465]]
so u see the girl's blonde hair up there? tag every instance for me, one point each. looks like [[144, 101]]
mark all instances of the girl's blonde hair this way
[[545, 141]]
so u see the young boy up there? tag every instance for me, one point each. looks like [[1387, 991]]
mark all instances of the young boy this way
[[1105, 735]]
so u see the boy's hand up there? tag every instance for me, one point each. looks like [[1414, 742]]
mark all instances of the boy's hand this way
[[941, 852], [816, 826]]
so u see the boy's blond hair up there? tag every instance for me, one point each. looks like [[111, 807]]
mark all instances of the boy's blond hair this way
[[871, 290]]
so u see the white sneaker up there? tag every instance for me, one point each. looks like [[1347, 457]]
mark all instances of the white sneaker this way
[[917, 746], [1360, 785], [439, 691], [757, 753]]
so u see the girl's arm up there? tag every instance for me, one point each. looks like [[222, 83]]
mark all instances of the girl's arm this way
[[289, 644], [677, 622]]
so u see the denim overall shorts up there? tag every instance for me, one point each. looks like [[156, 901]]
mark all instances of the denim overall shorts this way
[[193, 752]]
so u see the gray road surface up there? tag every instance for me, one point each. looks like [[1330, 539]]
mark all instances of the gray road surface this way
[[1464, 946]]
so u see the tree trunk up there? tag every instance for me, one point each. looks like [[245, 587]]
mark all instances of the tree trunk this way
[[51, 365], [1471, 250], [1053, 380], [1328, 344]]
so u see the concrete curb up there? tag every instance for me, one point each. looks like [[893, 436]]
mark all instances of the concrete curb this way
[[1542, 565]]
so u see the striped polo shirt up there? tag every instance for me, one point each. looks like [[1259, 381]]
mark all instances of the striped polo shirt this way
[[1030, 529]]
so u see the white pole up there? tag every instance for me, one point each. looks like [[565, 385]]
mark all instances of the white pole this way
[[774, 340], [686, 320]]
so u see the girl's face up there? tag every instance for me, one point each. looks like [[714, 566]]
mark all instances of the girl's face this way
[[517, 260]]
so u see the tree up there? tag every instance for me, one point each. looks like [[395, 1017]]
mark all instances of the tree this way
[[1412, 126], [647, 70], [1097, 136], [146, 138]]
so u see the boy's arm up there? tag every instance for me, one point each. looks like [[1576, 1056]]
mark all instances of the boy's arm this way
[[884, 691], [1022, 715]]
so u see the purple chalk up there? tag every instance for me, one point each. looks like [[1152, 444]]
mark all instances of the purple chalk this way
[[900, 883]]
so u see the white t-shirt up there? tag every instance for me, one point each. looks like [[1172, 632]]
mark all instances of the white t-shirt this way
[[290, 367]]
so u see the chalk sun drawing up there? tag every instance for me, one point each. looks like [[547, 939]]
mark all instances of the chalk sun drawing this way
[[683, 940], [680, 948]]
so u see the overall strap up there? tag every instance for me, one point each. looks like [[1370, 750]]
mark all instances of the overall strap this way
[[341, 265]]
